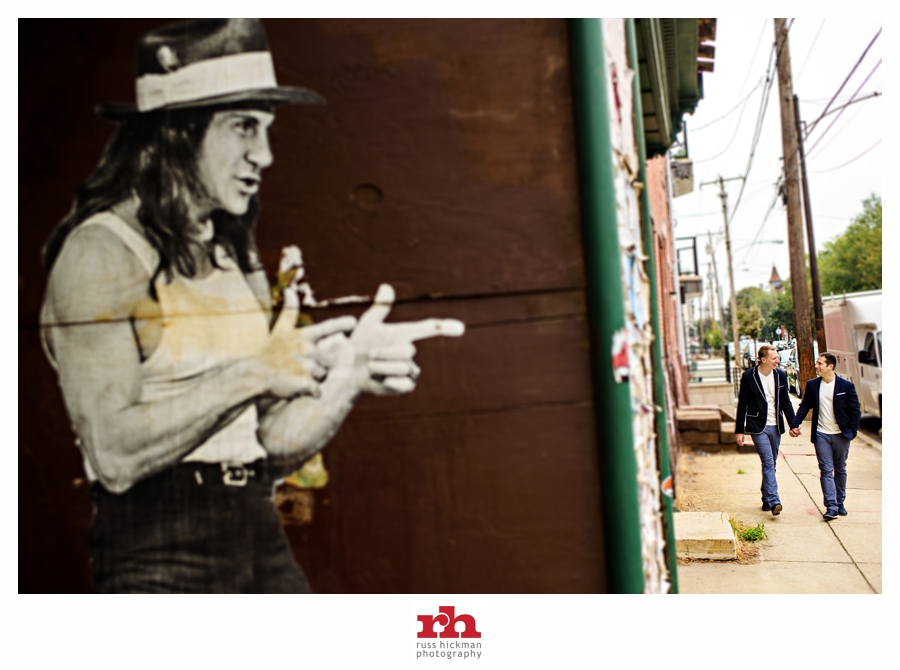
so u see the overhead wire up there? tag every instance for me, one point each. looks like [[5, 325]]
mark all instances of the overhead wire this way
[[822, 101], [852, 160], [760, 118], [836, 133], [769, 211], [755, 51], [811, 47], [779, 184], [742, 106], [743, 101], [846, 79], [730, 142], [769, 80], [776, 50], [825, 132]]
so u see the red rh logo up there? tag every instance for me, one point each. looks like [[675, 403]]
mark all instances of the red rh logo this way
[[448, 620]]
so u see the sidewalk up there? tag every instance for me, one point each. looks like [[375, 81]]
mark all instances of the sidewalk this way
[[803, 553]]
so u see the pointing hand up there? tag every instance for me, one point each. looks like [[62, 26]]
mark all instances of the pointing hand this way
[[386, 350]]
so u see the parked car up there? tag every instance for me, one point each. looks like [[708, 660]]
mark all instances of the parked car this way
[[792, 369], [790, 365]]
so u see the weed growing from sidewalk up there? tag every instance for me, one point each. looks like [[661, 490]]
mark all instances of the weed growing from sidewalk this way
[[748, 540], [741, 472], [748, 534]]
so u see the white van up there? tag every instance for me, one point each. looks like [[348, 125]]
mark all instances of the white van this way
[[853, 335]]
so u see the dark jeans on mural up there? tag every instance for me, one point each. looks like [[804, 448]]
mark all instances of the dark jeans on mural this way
[[192, 529]]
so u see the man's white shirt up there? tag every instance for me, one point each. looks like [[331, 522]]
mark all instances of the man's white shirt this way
[[827, 422], [768, 383]]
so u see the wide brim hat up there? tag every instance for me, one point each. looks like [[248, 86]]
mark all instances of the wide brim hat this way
[[205, 62]]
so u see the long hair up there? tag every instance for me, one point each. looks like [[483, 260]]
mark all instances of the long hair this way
[[154, 156]]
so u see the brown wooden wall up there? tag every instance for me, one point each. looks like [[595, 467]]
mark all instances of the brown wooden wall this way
[[444, 164]]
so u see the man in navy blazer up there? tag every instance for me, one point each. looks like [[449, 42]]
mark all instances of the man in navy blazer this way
[[762, 400], [835, 422]]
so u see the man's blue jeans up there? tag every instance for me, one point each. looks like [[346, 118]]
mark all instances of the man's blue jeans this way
[[767, 444], [832, 452]]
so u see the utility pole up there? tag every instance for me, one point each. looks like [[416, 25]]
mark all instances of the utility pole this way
[[718, 292], [734, 322], [723, 196], [810, 236], [794, 216]]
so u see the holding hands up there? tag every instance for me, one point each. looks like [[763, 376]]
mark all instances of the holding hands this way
[[795, 432]]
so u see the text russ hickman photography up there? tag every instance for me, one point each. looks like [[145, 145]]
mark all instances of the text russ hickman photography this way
[[440, 637]]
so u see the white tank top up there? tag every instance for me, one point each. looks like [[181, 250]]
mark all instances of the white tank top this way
[[205, 323]]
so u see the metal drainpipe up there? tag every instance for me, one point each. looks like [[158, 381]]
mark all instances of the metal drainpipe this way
[[606, 308], [659, 391]]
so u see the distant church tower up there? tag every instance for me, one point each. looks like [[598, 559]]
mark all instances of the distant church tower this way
[[775, 281]]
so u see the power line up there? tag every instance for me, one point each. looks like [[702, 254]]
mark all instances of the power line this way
[[825, 132], [764, 104], [811, 47], [838, 131], [755, 51], [743, 101], [840, 110], [690, 216], [727, 146], [778, 186], [760, 117], [768, 81], [822, 101], [847, 163], [836, 218], [846, 79]]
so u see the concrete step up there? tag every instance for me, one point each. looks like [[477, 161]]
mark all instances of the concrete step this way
[[697, 419], [699, 438], [726, 433], [706, 535]]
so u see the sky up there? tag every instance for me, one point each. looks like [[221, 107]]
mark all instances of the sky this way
[[720, 135]]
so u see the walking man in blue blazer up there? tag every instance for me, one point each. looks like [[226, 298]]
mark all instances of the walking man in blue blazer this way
[[835, 422], [762, 400]]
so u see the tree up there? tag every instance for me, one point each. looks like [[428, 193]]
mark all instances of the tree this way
[[783, 312], [750, 323], [764, 301], [714, 337], [852, 260]]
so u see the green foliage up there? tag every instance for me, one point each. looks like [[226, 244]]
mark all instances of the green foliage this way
[[713, 337], [852, 260], [741, 472], [783, 312], [754, 533], [748, 534], [753, 296], [750, 322]]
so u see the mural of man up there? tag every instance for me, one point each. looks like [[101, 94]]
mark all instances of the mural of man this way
[[186, 404]]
